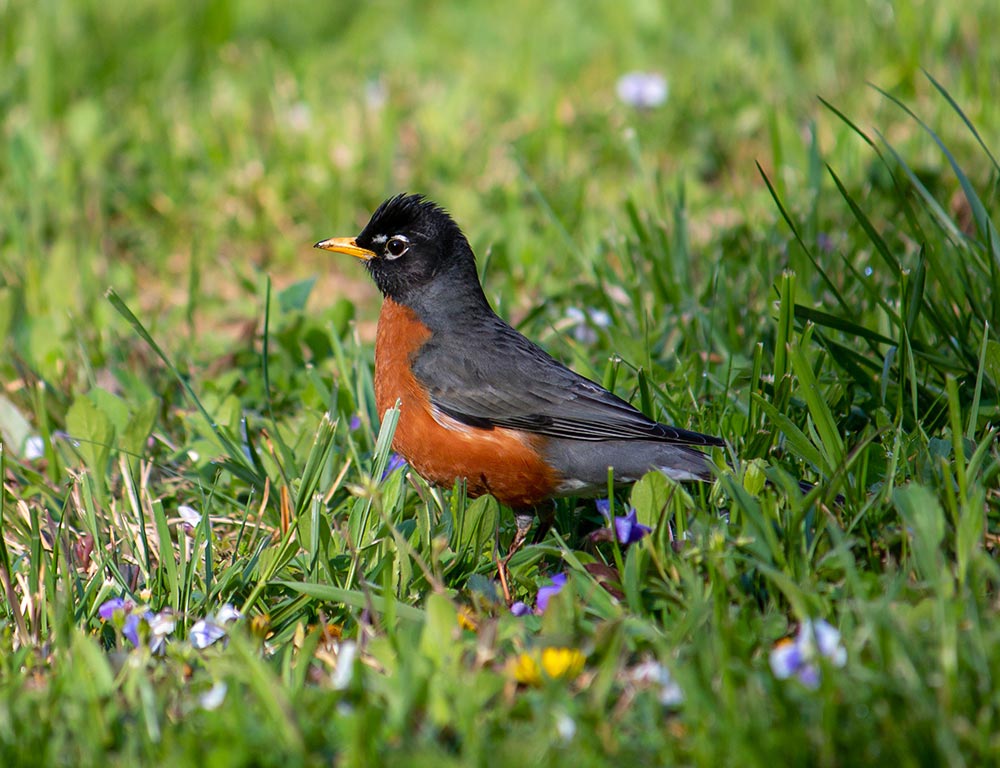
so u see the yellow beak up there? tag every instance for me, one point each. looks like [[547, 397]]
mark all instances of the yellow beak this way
[[345, 245]]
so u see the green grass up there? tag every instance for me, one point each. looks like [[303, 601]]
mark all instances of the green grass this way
[[812, 278]]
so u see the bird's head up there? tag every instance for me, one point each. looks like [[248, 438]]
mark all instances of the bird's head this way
[[414, 251]]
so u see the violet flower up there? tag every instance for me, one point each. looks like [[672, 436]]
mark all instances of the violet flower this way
[[547, 592], [520, 608], [395, 462], [139, 625], [800, 657], [131, 629], [109, 607], [628, 529]]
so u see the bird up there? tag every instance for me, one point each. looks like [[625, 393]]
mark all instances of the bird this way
[[478, 401]]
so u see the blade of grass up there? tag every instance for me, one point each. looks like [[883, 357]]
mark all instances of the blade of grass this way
[[232, 449], [983, 222], [13, 604], [353, 598]]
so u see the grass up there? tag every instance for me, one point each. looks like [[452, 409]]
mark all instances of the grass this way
[[174, 346]]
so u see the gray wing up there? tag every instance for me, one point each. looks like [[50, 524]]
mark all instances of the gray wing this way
[[500, 379]]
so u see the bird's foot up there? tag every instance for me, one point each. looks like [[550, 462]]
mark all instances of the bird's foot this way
[[523, 522]]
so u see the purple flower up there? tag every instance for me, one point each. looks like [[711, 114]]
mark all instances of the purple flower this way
[[136, 625], [520, 608], [131, 628], [155, 626], [355, 423], [61, 435], [800, 657], [395, 462], [547, 592], [109, 607], [628, 529]]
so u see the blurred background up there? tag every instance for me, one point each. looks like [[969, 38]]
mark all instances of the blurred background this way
[[181, 152]]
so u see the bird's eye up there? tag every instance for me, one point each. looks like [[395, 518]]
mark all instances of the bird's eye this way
[[396, 247]]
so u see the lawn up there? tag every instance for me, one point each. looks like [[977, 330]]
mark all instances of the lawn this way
[[209, 553]]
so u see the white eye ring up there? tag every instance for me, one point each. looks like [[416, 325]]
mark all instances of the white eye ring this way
[[396, 247]]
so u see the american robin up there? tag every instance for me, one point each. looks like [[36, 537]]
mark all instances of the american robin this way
[[478, 401]]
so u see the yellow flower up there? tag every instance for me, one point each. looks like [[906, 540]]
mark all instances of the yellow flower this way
[[562, 662], [525, 670], [556, 664], [467, 621]]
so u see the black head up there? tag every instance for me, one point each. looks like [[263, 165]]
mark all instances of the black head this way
[[414, 251]]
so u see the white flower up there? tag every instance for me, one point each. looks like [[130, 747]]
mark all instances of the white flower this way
[[212, 628], [643, 90], [828, 643], [584, 322], [190, 517], [600, 318], [227, 613], [565, 727], [160, 625], [34, 448], [344, 673], [651, 672], [205, 632], [213, 697]]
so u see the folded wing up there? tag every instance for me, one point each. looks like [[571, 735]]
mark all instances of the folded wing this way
[[519, 386]]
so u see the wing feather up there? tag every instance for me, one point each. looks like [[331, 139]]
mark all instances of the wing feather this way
[[519, 386]]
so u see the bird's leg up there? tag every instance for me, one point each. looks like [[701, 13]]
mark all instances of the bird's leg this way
[[523, 518]]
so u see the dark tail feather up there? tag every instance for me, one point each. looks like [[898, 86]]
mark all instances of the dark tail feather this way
[[807, 487]]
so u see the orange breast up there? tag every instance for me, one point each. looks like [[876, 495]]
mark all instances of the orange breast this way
[[502, 462]]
